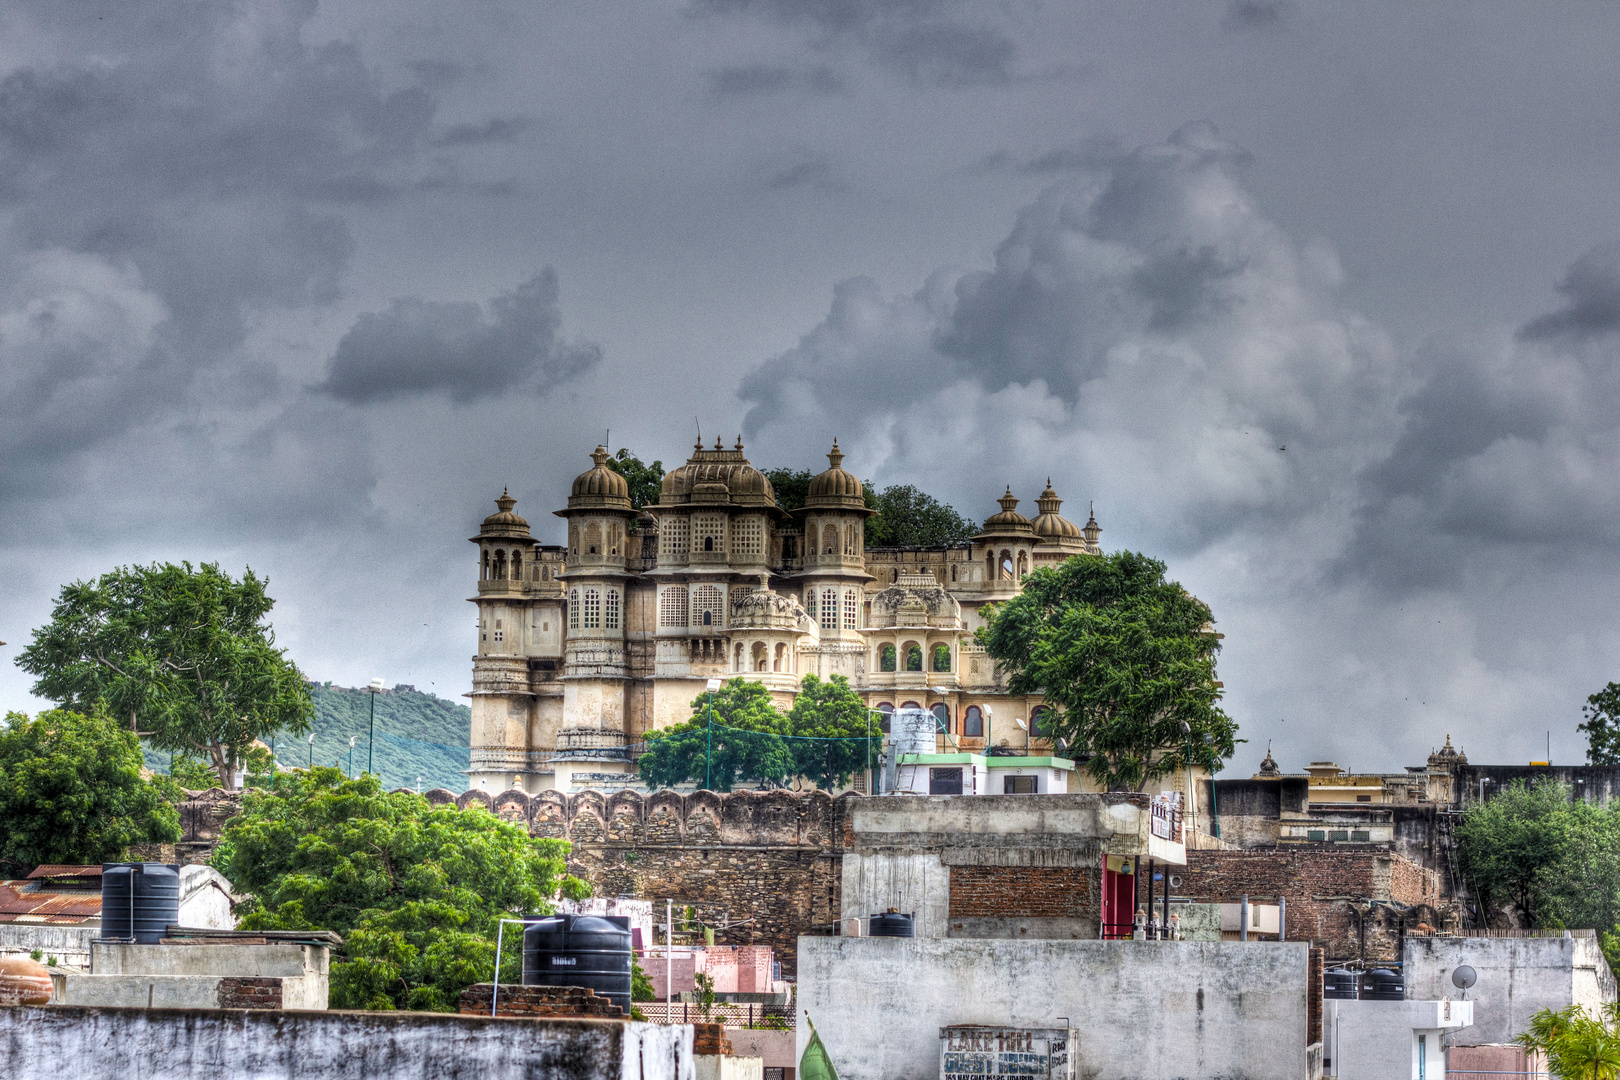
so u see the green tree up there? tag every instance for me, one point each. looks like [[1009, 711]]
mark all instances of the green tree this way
[[831, 724], [792, 486], [192, 774], [743, 743], [1602, 726], [71, 791], [1578, 1045], [416, 890], [907, 517], [646, 481], [186, 655], [1125, 660]]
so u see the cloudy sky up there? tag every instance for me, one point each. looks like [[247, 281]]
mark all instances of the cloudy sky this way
[[1318, 302]]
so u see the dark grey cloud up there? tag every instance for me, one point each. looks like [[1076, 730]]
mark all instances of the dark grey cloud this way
[[1257, 14], [940, 43], [498, 129], [756, 80], [814, 173], [1592, 288], [460, 350]]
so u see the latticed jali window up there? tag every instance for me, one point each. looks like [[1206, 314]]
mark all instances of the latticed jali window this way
[[747, 538], [672, 534], [610, 615], [852, 609], [707, 601], [593, 609], [672, 606], [573, 610]]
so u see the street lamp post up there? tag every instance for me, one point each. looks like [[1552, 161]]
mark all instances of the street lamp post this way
[[708, 736], [352, 740], [312, 751], [371, 739]]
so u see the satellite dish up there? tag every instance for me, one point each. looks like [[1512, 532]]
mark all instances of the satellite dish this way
[[1463, 977]]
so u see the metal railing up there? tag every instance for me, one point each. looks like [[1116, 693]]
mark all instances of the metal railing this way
[[731, 1014]]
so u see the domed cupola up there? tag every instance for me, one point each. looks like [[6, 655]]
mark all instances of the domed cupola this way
[[599, 487], [717, 476], [836, 489], [503, 522], [1049, 524], [1009, 520]]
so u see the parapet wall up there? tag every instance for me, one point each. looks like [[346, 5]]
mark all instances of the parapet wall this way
[[763, 868]]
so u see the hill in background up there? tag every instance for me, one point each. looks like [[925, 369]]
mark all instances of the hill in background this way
[[418, 735]]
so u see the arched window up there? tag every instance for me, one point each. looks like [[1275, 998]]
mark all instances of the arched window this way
[[672, 606], [1006, 565], [500, 566], [708, 618], [829, 539], [884, 709], [517, 566], [708, 543], [989, 566], [810, 604], [736, 658], [610, 617], [593, 538], [1023, 564], [759, 655], [973, 723], [914, 657], [484, 576], [779, 662], [707, 601], [851, 609], [910, 705], [573, 610], [953, 571], [593, 609], [613, 539], [1038, 717], [886, 661], [942, 714], [573, 538], [829, 609], [942, 658], [849, 539]]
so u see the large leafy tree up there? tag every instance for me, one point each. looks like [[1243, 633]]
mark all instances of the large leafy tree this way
[[1125, 660], [416, 890], [71, 791], [831, 726], [184, 655], [1578, 1045], [646, 481], [909, 517], [792, 486], [737, 739], [1602, 726]]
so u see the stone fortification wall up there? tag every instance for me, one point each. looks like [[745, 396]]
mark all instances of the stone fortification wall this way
[[1354, 904], [42, 1043], [762, 867]]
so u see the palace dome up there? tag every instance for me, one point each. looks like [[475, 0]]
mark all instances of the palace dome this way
[[1049, 523], [599, 487], [835, 489], [503, 522], [1009, 520], [718, 476]]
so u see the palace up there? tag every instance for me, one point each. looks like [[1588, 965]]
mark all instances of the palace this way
[[584, 648]]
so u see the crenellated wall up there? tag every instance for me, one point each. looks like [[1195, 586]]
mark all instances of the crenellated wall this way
[[762, 867]]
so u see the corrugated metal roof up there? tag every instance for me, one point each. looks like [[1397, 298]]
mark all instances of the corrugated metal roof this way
[[65, 870], [29, 901]]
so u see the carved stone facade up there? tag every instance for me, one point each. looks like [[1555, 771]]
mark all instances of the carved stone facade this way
[[585, 647]]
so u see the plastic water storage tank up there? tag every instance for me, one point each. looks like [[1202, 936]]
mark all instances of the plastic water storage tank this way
[[139, 901], [579, 950], [1386, 985], [891, 924], [1339, 984]]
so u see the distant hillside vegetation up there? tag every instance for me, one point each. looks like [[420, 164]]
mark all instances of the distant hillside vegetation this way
[[417, 735]]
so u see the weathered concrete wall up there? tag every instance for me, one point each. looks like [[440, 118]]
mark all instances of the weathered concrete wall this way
[[188, 975], [774, 1048], [1517, 978], [1379, 1040], [69, 944], [173, 991], [1149, 1010], [195, 1044]]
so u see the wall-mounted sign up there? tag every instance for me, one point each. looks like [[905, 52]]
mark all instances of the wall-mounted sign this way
[[981, 1052]]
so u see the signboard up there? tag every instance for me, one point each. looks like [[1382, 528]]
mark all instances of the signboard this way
[[1164, 820], [979, 1052]]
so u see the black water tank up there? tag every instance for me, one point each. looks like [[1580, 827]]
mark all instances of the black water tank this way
[[891, 924], [579, 950], [139, 900], [1386, 985], [1339, 984]]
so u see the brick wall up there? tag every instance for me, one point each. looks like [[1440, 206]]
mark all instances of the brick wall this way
[[766, 862], [249, 993], [710, 1040], [1337, 898], [1028, 892], [539, 1001]]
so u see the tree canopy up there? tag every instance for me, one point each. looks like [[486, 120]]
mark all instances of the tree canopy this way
[[792, 486], [1602, 726], [831, 724], [416, 890], [907, 517], [185, 655], [1550, 859], [1577, 1044], [646, 481], [742, 744], [71, 791], [1125, 660]]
